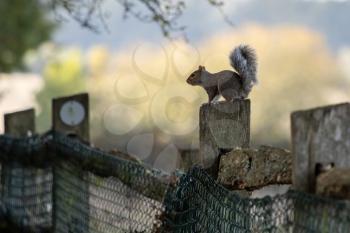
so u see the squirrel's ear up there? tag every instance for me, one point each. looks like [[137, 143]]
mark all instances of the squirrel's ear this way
[[201, 68]]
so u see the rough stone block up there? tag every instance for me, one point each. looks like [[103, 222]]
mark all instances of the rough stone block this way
[[252, 169], [334, 183]]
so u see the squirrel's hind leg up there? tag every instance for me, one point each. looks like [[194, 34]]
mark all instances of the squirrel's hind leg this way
[[213, 94], [230, 88], [216, 99], [213, 98]]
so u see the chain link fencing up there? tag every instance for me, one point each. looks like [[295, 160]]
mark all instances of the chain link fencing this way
[[199, 204], [55, 183]]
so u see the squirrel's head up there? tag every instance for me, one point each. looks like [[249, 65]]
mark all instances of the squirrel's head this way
[[195, 77]]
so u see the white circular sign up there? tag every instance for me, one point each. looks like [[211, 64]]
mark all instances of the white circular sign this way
[[72, 113]]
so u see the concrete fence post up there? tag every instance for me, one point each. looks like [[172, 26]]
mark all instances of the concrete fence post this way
[[20, 124], [319, 136], [13, 174], [223, 126], [70, 116]]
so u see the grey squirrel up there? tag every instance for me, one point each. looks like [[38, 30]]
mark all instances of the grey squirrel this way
[[227, 83]]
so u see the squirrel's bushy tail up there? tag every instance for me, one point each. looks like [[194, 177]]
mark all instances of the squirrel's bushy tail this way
[[243, 60]]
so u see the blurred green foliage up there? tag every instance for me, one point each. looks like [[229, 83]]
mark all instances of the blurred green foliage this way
[[63, 75], [24, 25], [139, 97], [296, 70]]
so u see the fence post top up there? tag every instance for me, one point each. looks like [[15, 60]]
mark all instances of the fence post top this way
[[21, 123]]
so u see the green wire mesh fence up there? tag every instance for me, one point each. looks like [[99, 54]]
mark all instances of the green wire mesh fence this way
[[54, 183], [199, 204], [26, 189]]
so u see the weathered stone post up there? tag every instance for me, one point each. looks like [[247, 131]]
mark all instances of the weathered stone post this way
[[223, 126], [70, 116], [20, 124], [320, 135], [320, 138]]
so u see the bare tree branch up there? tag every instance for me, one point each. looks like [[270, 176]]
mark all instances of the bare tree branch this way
[[220, 5], [164, 13]]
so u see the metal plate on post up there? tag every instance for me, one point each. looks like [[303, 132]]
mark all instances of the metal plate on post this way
[[72, 113]]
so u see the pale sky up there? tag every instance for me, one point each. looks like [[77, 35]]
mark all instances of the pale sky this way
[[202, 21]]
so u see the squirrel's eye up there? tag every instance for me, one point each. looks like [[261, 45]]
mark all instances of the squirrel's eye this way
[[192, 75]]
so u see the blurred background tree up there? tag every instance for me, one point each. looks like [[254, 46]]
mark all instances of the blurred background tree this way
[[63, 74], [24, 25], [140, 102], [296, 71], [166, 14]]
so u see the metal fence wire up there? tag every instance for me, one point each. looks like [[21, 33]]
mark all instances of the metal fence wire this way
[[53, 183], [199, 204]]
